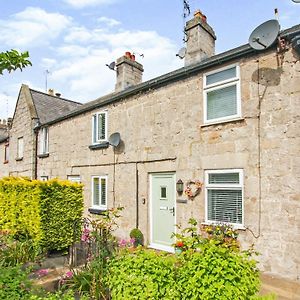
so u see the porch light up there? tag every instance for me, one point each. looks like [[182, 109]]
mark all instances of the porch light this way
[[179, 186]]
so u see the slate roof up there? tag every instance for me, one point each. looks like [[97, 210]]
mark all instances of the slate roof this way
[[3, 136], [49, 108]]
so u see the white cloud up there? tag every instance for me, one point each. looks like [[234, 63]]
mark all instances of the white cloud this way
[[85, 3], [82, 70], [78, 35], [108, 21], [32, 27], [79, 53]]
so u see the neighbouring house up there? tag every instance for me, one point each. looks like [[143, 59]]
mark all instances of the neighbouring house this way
[[229, 121], [4, 146]]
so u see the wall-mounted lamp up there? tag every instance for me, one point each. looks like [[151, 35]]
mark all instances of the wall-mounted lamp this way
[[179, 187]]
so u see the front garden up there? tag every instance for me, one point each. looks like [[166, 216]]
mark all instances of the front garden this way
[[38, 219]]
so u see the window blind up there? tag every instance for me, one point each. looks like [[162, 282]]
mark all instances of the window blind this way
[[219, 178], [222, 102], [225, 205], [101, 126], [221, 76], [96, 191], [103, 191]]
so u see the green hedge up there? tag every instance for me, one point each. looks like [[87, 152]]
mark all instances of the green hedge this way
[[43, 211]]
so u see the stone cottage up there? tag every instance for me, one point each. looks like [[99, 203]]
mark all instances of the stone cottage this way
[[228, 123]]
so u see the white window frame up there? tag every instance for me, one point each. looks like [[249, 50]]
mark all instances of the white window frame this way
[[220, 85], [6, 153], [20, 147], [44, 140], [101, 207], [95, 139], [74, 178], [224, 186]]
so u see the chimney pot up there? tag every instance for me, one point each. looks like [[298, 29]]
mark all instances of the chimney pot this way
[[51, 92]]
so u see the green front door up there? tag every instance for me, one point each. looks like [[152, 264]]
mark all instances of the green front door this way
[[162, 210]]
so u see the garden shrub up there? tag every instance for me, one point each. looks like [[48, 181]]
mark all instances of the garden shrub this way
[[14, 284], [138, 237], [217, 272], [42, 211], [142, 274], [14, 252]]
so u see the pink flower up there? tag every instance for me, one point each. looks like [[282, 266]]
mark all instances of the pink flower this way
[[85, 237], [122, 243], [42, 272], [69, 274]]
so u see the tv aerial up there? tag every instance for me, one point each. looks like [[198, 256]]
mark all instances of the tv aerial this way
[[114, 139], [265, 35]]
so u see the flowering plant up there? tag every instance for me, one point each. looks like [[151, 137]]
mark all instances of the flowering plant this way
[[179, 244], [126, 243]]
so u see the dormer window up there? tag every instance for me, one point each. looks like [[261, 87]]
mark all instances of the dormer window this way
[[99, 124]]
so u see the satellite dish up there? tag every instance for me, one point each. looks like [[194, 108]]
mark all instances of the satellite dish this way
[[264, 36], [181, 53], [114, 139], [111, 66], [296, 1]]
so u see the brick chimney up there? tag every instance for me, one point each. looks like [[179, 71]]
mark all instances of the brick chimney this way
[[129, 72], [200, 39]]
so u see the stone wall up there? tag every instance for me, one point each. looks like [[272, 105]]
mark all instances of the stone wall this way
[[167, 124], [22, 126]]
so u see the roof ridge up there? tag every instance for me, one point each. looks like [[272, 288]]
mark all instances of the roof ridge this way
[[60, 98]]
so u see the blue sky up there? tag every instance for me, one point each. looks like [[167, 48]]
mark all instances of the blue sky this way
[[74, 39]]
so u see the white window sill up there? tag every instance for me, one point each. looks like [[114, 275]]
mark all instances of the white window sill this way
[[97, 210], [102, 145], [222, 121], [234, 226], [43, 155]]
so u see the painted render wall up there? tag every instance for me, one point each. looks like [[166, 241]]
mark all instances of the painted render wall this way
[[167, 123]]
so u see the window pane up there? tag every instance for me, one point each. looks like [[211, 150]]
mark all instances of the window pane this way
[[224, 178], [20, 148], [94, 129], [46, 140], [101, 126], [103, 191], [221, 76], [222, 102], [96, 191], [163, 192], [6, 154], [225, 206]]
